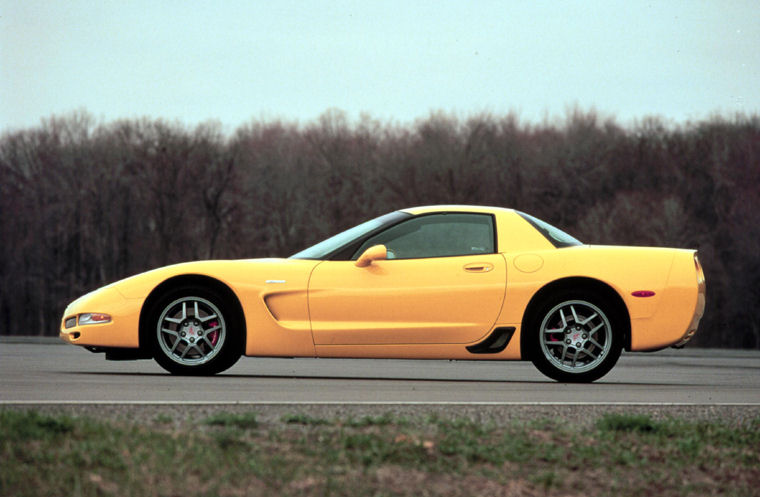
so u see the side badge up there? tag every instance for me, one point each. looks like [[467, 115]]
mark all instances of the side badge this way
[[276, 281]]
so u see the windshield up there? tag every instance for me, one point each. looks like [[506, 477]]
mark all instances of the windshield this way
[[324, 249], [555, 235]]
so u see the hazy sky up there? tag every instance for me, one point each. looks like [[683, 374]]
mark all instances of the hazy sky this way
[[237, 60]]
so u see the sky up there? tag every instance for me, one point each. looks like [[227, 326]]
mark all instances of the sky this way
[[237, 61]]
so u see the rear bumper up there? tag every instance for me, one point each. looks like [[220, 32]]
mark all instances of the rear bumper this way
[[699, 310], [679, 309]]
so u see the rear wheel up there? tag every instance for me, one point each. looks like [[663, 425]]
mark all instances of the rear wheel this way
[[195, 332], [576, 337]]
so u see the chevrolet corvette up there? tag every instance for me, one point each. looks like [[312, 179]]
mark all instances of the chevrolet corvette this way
[[436, 282]]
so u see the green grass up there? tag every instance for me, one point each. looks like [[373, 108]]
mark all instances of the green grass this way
[[33, 426], [627, 423], [304, 419], [245, 421], [163, 419], [382, 420], [235, 454]]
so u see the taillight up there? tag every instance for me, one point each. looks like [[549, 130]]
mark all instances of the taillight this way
[[700, 272]]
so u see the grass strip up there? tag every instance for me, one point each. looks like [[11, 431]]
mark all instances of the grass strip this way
[[235, 454]]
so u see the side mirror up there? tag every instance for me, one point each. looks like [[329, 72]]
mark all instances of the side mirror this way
[[374, 253]]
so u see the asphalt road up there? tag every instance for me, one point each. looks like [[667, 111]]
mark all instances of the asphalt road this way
[[48, 372]]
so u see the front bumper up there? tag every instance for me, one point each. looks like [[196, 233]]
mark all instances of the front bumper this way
[[123, 329]]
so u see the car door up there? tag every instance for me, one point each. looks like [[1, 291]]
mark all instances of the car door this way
[[442, 282]]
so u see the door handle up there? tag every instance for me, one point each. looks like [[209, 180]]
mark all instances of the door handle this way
[[478, 267]]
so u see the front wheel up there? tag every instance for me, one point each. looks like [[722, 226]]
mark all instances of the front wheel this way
[[195, 332], [576, 338]]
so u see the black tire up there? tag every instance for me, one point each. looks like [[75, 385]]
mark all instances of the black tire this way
[[195, 331], [587, 342]]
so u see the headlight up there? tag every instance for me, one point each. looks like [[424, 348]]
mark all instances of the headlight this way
[[94, 318]]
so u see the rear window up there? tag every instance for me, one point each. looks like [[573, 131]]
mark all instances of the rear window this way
[[556, 236]]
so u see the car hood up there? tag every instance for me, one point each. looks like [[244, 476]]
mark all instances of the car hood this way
[[248, 272]]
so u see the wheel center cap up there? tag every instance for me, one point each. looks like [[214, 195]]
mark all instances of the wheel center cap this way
[[190, 330]]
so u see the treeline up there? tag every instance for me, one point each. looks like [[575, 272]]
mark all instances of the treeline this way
[[85, 203]]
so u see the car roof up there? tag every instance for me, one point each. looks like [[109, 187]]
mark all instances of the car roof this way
[[427, 209]]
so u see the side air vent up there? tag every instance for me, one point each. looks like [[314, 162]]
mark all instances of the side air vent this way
[[495, 342]]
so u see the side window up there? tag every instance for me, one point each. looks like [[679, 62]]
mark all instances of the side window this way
[[437, 235]]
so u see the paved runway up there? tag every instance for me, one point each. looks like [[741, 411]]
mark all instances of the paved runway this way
[[50, 372]]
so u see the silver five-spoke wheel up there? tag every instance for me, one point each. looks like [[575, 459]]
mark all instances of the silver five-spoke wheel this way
[[576, 336], [191, 331], [195, 329]]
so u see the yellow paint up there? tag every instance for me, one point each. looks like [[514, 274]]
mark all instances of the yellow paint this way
[[125, 315], [528, 263], [415, 308], [406, 301]]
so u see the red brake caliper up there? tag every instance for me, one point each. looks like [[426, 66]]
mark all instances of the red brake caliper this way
[[214, 335], [553, 337]]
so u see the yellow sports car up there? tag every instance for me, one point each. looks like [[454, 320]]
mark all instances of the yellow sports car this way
[[439, 282]]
